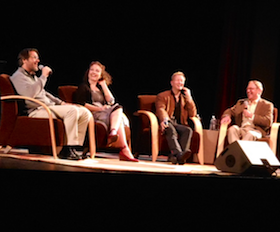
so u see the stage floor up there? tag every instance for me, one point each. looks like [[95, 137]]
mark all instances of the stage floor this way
[[103, 162], [107, 163]]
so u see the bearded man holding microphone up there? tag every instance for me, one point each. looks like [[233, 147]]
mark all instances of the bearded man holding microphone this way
[[75, 118]]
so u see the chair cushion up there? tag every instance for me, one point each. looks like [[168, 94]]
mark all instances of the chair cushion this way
[[67, 93]]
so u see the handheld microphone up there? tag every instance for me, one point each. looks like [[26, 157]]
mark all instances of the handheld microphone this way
[[42, 66], [246, 105]]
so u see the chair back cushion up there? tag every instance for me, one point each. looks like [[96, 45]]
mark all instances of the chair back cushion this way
[[67, 92], [6, 86], [147, 102], [9, 109]]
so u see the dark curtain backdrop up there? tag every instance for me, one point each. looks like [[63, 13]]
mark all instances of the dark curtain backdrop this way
[[236, 53], [141, 44], [213, 42]]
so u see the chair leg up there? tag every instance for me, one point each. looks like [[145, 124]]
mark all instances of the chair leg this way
[[221, 138], [92, 147], [198, 128], [154, 139], [274, 136]]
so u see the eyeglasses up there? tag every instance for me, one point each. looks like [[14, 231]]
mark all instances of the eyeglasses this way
[[34, 57], [251, 88]]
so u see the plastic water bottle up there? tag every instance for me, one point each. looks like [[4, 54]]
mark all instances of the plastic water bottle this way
[[213, 123]]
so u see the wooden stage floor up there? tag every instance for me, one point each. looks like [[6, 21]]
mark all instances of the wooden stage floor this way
[[106, 162], [109, 162]]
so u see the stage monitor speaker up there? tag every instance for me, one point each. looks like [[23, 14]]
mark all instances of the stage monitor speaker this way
[[248, 157]]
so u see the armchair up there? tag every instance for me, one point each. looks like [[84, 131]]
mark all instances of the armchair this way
[[66, 93], [18, 130], [150, 138], [271, 139]]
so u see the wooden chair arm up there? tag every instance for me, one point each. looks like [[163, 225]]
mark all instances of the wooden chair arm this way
[[126, 120], [221, 139], [223, 133], [51, 124], [127, 124], [91, 135], [273, 136], [198, 128], [154, 132]]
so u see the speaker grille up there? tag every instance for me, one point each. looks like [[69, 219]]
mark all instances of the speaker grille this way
[[230, 161]]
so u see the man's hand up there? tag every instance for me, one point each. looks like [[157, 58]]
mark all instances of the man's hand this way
[[247, 113], [46, 71], [226, 119], [187, 92], [163, 125]]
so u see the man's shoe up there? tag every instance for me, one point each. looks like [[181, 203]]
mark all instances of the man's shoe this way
[[172, 159], [85, 154], [183, 157], [73, 155], [69, 153]]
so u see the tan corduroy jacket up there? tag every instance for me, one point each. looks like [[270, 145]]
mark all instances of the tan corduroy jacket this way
[[165, 107], [263, 114]]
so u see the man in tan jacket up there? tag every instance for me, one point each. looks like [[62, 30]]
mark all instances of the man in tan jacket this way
[[173, 107], [253, 116]]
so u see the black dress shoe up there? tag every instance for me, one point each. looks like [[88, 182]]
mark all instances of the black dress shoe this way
[[74, 155], [182, 158], [172, 159], [85, 154], [69, 153]]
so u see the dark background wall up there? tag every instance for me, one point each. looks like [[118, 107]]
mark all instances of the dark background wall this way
[[219, 44]]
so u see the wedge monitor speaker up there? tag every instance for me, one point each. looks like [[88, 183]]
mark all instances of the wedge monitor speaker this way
[[248, 157]]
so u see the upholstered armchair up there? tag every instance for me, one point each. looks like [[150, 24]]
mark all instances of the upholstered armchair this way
[[151, 141], [66, 93], [19, 130], [271, 139]]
